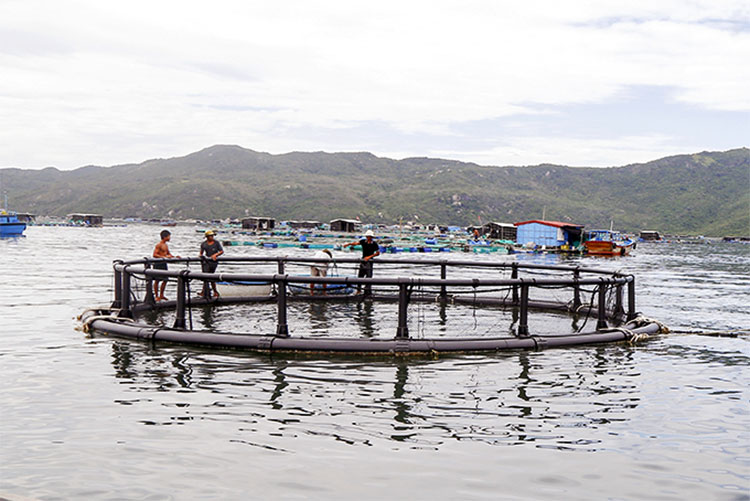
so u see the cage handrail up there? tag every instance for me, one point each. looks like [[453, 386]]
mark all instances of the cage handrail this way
[[383, 260]]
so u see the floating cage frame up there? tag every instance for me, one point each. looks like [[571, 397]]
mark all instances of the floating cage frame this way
[[616, 321]]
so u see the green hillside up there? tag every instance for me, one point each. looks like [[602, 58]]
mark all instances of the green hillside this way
[[704, 193]]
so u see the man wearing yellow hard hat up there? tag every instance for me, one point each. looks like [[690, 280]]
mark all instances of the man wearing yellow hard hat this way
[[210, 250]]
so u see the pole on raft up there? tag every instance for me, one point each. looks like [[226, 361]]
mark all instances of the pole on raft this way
[[576, 290], [149, 285], [117, 303], [601, 322], [282, 329], [125, 294], [443, 275], [523, 322], [368, 274], [619, 310], [179, 321], [631, 300], [402, 332]]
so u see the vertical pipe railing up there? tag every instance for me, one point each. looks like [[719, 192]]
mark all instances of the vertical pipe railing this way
[[117, 303], [523, 321], [631, 299], [514, 276], [368, 274], [125, 294], [402, 332], [576, 290], [282, 329], [179, 320], [443, 275], [601, 317], [149, 285], [281, 266], [619, 310]]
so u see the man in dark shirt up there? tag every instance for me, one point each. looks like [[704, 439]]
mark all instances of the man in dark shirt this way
[[210, 250], [370, 249]]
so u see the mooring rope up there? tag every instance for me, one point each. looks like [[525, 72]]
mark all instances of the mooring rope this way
[[86, 327], [724, 333]]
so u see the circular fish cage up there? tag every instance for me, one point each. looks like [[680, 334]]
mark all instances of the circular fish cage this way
[[602, 300]]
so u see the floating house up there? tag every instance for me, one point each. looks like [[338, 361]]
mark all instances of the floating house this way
[[345, 225], [650, 235], [258, 223], [549, 233], [86, 219], [501, 231], [303, 224], [26, 218], [471, 229]]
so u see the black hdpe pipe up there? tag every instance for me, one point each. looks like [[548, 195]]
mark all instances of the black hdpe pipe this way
[[270, 343]]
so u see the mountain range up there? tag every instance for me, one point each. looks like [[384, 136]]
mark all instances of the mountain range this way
[[703, 193]]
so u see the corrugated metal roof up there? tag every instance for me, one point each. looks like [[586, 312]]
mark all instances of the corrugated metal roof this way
[[556, 224]]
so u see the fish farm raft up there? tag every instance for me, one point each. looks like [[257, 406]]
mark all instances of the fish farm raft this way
[[260, 290]]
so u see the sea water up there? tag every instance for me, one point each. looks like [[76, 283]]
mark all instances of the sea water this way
[[104, 418]]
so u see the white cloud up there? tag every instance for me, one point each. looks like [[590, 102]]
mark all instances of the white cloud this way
[[103, 82], [611, 152]]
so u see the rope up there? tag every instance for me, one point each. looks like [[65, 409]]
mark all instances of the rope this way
[[86, 327], [640, 321], [726, 333]]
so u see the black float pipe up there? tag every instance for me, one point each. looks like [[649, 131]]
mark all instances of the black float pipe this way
[[363, 346]]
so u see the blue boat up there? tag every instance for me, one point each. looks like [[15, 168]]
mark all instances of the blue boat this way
[[10, 226]]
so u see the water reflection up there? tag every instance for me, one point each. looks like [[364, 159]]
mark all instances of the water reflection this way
[[364, 318], [515, 398], [319, 317], [207, 316]]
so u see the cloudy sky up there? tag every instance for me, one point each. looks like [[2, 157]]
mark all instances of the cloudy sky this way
[[584, 83]]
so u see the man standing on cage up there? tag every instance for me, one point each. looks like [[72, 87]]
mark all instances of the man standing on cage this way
[[161, 251], [210, 250], [370, 249]]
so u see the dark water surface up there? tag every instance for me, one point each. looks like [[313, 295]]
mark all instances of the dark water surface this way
[[102, 418]]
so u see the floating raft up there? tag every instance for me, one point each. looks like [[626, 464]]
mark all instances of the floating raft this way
[[616, 319]]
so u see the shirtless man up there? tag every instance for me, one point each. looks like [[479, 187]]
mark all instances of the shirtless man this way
[[161, 251]]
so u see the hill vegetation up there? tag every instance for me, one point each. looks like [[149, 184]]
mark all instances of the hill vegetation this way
[[704, 193]]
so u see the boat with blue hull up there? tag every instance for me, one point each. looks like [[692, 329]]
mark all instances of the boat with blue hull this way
[[10, 226]]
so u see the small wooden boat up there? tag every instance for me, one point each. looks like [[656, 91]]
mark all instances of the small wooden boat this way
[[608, 243]]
